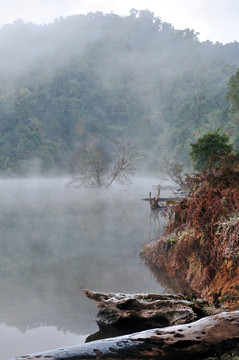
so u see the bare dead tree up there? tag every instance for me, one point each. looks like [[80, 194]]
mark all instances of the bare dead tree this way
[[90, 165], [174, 170], [97, 165], [124, 161]]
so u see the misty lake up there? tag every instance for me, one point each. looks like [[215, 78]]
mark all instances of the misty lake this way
[[56, 241]]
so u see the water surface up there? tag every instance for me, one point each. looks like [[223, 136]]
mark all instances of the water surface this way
[[55, 241]]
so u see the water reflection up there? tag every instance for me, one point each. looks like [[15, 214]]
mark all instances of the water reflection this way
[[56, 241], [155, 228], [13, 339]]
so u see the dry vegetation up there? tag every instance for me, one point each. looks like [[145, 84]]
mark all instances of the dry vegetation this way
[[202, 240]]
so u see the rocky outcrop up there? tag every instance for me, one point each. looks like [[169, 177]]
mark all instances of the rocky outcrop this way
[[187, 341]]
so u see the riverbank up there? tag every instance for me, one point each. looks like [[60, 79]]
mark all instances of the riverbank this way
[[180, 262], [199, 254]]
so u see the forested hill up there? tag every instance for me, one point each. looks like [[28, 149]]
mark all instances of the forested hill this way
[[102, 76]]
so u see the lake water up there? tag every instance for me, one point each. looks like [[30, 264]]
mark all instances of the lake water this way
[[56, 241]]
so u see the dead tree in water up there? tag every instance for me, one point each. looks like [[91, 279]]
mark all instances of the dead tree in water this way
[[98, 164], [154, 202]]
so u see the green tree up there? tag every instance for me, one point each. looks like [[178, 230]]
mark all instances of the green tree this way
[[233, 91], [208, 150], [232, 96]]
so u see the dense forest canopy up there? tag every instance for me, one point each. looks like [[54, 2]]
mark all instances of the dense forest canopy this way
[[104, 76]]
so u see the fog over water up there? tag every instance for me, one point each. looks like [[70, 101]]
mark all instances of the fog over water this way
[[57, 240]]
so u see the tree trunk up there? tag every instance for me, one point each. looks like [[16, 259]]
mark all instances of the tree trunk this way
[[130, 313], [186, 341]]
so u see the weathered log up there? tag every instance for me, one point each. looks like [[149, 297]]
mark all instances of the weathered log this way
[[186, 341], [153, 202], [136, 312], [156, 202], [172, 199]]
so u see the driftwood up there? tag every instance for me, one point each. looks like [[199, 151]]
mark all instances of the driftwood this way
[[135, 312], [156, 201], [186, 341], [165, 199]]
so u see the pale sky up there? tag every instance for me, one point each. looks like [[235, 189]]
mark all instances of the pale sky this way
[[215, 20]]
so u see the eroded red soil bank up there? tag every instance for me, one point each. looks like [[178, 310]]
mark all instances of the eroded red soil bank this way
[[180, 264]]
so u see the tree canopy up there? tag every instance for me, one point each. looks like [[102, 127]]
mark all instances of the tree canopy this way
[[209, 149], [233, 91]]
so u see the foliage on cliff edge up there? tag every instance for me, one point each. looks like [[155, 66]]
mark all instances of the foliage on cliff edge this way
[[211, 212], [214, 196], [202, 240]]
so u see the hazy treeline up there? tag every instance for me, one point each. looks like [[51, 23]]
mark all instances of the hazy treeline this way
[[96, 76]]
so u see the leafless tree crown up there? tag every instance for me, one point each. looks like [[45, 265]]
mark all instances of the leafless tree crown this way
[[96, 166]]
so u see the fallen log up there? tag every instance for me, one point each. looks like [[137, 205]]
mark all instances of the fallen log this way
[[129, 313], [168, 199], [187, 341], [161, 203]]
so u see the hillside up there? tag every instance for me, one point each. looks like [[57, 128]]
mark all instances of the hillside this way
[[100, 76]]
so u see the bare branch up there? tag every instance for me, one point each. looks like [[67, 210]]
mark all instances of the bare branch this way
[[97, 165], [175, 171]]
